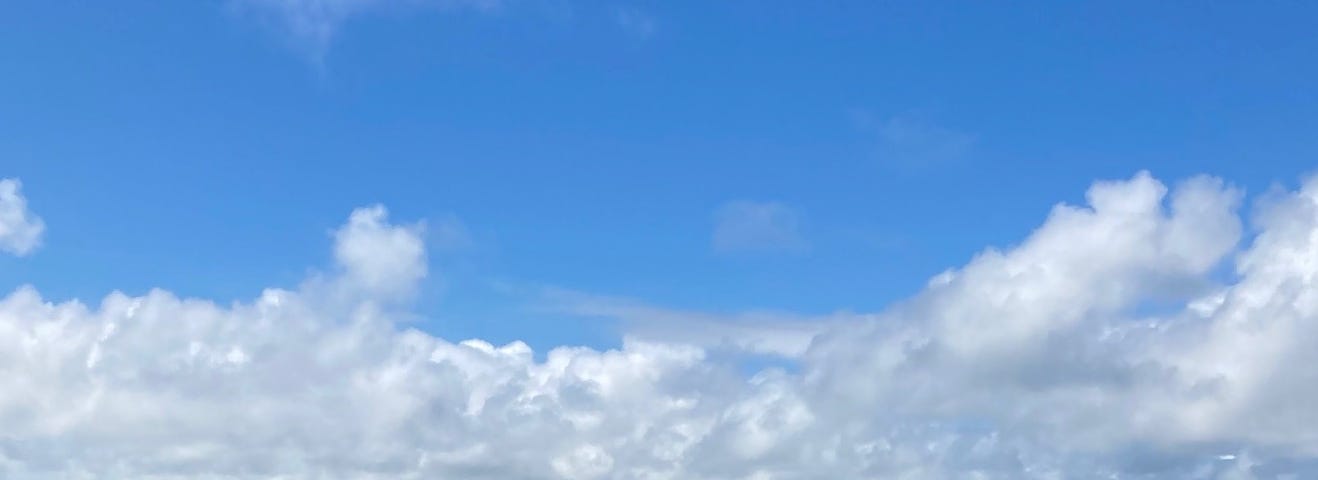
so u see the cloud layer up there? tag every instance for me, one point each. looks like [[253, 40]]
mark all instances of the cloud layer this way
[[20, 229], [1107, 344]]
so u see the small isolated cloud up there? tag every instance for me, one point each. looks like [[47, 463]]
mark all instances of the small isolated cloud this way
[[746, 226], [635, 21], [312, 24], [20, 229], [377, 257], [914, 141]]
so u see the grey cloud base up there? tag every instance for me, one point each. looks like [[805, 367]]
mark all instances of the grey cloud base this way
[[1043, 361]]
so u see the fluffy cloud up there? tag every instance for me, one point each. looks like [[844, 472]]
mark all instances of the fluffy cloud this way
[[1107, 344], [378, 258], [20, 229]]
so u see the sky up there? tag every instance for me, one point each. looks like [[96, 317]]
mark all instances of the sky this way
[[648, 240]]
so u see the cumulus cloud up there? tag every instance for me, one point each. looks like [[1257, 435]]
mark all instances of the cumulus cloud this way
[[748, 226], [377, 257], [1038, 361], [20, 229]]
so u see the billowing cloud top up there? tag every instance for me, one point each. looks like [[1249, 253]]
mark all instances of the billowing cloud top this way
[[20, 229], [1046, 360]]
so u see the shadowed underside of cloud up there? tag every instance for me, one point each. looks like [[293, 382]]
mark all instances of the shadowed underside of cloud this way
[[1031, 362]]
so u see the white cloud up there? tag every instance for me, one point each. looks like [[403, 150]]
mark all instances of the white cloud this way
[[757, 227], [377, 257], [20, 229], [1032, 362], [313, 23]]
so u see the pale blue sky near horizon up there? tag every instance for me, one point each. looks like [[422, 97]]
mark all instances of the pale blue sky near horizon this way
[[703, 156]]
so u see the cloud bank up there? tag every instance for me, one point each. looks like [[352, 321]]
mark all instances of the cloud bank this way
[[1107, 344], [20, 229]]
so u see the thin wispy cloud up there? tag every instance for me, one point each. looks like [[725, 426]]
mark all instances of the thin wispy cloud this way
[[776, 333], [449, 233], [911, 141], [752, 226], [312, 25], [635, 21]]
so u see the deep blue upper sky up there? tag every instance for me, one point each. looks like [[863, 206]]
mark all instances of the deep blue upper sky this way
[[200, 147]]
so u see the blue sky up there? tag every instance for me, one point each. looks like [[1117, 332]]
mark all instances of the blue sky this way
[[201, 146], [774, 173]]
